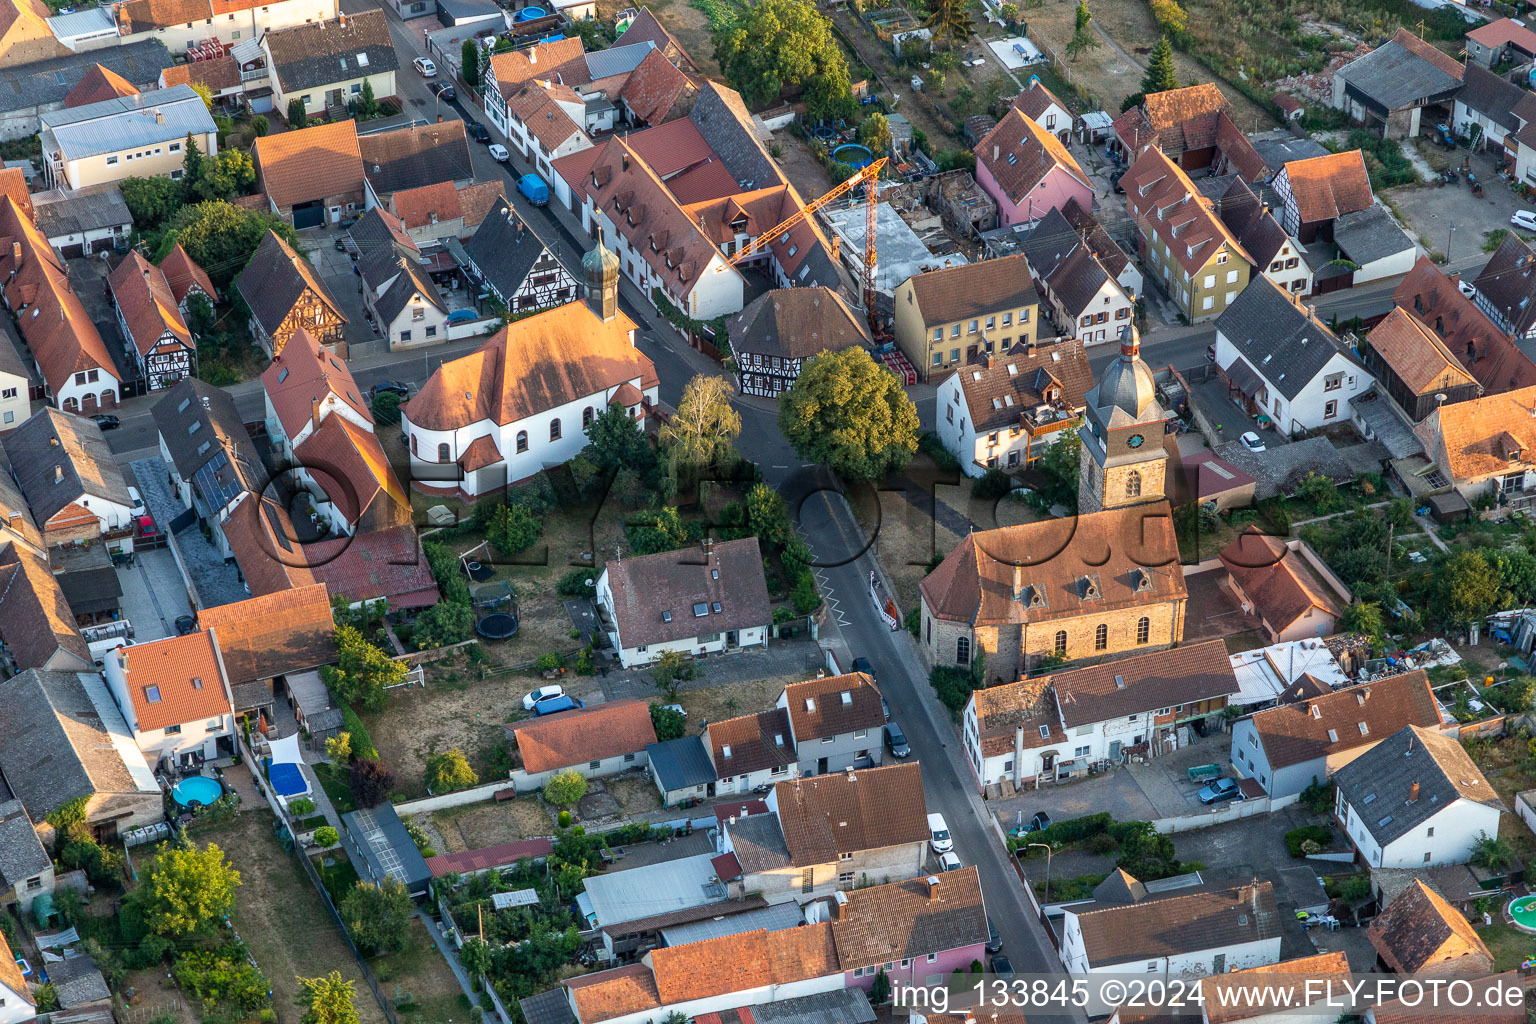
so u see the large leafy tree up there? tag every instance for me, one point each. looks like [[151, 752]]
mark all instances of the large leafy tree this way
[[779, 43], [152, 201], [328, 1000], [1083, 38], [362, 671], [702, 434], [1465, 589], [378, 915], [850, 413], [186, 889], [227, 175], [950, 19], [1160, 76], [221, 237], [616, 440]]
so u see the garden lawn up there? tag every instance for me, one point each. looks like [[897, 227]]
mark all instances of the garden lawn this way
[[419, 981], [1510, 946]]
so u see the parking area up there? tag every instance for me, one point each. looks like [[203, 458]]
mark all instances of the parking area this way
[[214, 581], [1230, 420], [154, 594], [1431, 211]]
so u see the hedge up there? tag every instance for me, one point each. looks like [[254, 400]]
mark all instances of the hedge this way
[[362, 743], [1320, 834], [1073, 830]]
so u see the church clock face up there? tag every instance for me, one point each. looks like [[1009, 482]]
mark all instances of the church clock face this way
[[1135, 441]]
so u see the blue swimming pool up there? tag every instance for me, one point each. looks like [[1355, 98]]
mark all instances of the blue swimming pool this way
[[197, 789]]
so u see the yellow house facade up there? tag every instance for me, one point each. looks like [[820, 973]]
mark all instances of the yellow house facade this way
[[946, 318], [140, 136]]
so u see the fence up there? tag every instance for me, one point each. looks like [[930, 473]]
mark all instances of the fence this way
[[458, 798], [1231, 812]]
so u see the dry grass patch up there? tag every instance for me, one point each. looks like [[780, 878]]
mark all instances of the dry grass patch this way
[[717, 703], [420, 721], [635, 792], [420, 981], [476, 826]]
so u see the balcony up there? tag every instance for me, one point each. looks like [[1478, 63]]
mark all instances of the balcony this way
[[253, 75]]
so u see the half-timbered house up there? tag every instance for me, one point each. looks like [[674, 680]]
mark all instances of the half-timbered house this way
[[158, 337], [514, 265], [780, 329], [284, 293]]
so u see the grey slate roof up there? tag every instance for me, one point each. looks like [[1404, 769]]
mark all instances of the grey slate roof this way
[[272, 283], [1243, 212], [415, 156], [681, 763], [49, 81], [378, 835], [841, 1006], [551, 1007], [758, 843], [1395, 77], [21, 853], [1490, 95], [388, 259], [1394, 435], [78, 982], [1282, 343], [318, 54], [87, 578], [504, 249], [129, 122], [81, 455], [1279, 149], [617, 60], [10, 359], [1368, 235], [75, 215], [1380, 783], [1060, 259], [218, 442], [796, 323], [1508, 284], [62, 741]]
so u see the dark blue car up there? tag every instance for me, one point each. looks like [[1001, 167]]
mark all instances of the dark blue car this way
[[554, 704]]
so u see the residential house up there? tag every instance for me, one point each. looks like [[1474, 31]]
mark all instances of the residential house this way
[[26, 36], [1174, 935], [1416, 800], [211, 27], [37, 626], [834, 722], [547, 119], [1293, 746], [1487, 352], [1492, 43], [1113, 258], [1283, 362], [136, 136], [1181, 239], [186, 279], [152, 323], [304, 385], [312, 176], [266, 641], [657, 91], [1486, 446], [1279, 582], [534, 388], [414, 156], [353, 489], [1306, 990], [749, 751], [437, 213], [1274, 253], [398, 290], [212, 463], [78, 372], [1506, 287], [15, 387], [374, 565], [67, 741], [100, 84], [1193, 127], [514, 265], [286, 295], [1041, 106], [559, 61], [779, 330], [880, 833], [1496, 107], [1028, 170], [85, 224], [944, 319], [630, 912], [175, 698], [42, 84], [994, 595], [327, 64], [1399, 87], [1087, 301], [1419, 372], [1318, 191], [26, 872], [230, 83], [693, 601], [379, 847], [1422, 935], [604, 739], [1005, 411], [681, 769], [17, 1004], [70, 479], [911, 930]]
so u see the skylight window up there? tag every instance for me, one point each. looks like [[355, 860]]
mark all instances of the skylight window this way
[[152, 694], [700, 610]]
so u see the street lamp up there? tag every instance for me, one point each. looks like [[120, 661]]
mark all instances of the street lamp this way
[[1047, 848], [1449, 237]]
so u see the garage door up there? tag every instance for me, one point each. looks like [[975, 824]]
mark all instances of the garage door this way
[[309, 215]]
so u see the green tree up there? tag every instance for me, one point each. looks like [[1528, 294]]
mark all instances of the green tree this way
[[1009, 13], [658, 530], [875, 132], [328, 1000], [615, 440], [260, 125], [669, 723], [513, 528], [220, 237], [565, 789], [880, 989], [362, 671], [469, 62], [768, 516], [1364, 617], [386, 408], [1465, 589], [444, 624], [326, 835], [192, 163], [949, 20], [850, 413], [1160, 75], [185, 889], [200, 315], [339, 747], [701, 435], [777, 43], [297, 118], [370, 782], [377, 916], [366, 104], [449, 771], [1491, 852], [1083, 38], [227, 175], [152, 201], [671, 668]]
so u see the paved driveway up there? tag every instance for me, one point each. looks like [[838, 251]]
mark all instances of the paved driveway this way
[[1430, 212], [154, 594]]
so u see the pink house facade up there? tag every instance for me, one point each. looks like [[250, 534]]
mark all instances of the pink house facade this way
[[1052, 193], [917, 970], [1028, 171]]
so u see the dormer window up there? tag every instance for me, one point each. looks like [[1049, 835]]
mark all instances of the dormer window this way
[[1090, 587], [1036, 597]]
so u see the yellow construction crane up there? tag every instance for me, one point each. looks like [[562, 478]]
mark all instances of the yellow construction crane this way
[[867, 175]]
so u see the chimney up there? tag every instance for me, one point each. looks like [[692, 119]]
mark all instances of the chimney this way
[[933, 886], [1455, 278], [839, 905], [314, 411], [1018, 757], [58, 474], [341, 19], [1413, 793], [991, 360], [146, 274], [533, 55], [159, 116], [439, 118]]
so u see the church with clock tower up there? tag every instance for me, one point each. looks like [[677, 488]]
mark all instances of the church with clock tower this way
[[1123, 460]]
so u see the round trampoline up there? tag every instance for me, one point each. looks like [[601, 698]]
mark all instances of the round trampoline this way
[[478, 572], [854, 155], [824, 132], [497, 626], [529, 14], [1522, 911], [197, 791]]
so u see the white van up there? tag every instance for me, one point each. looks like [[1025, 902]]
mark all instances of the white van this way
[[940, 839]]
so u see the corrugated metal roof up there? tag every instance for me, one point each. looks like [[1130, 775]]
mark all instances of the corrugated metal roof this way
[[82, 23], [126, 122], [775, 918], [617, 60]]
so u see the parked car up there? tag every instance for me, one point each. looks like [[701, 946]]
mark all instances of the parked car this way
[[950, 861], [477, 131], [896, 740], [939, 837], [1467, 288], [136, 502], [1254, 443], [549, 692], [397, 387], [863, 665], [534, 189], [994, 940], [185, 624], [424, 67], [107, 422], [1524, 219], [678, 708], [146, 527], [885, 709], [1002, 966], [1221, 789], [562, 703], [444, 91], [498, 152]]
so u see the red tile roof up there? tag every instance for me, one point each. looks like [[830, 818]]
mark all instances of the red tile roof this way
[[368, 566], [275, 634], [1504, 32], [1275, 578], [416, 206], [1294, 733], [148, 306], [305, 373], [613, 993], [740, 963], [596, 733], [833, 705], [1165, 204], [174, 681], [502, 855], [1328, 187], [655, 88], [1420, 933], [350, 465], [1019, 154], [543, 60], [184, 276], [310, 163], [851, 812], [1472, 338], [99, 84]]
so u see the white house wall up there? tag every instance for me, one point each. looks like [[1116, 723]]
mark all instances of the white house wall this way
[[1447, 837]]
